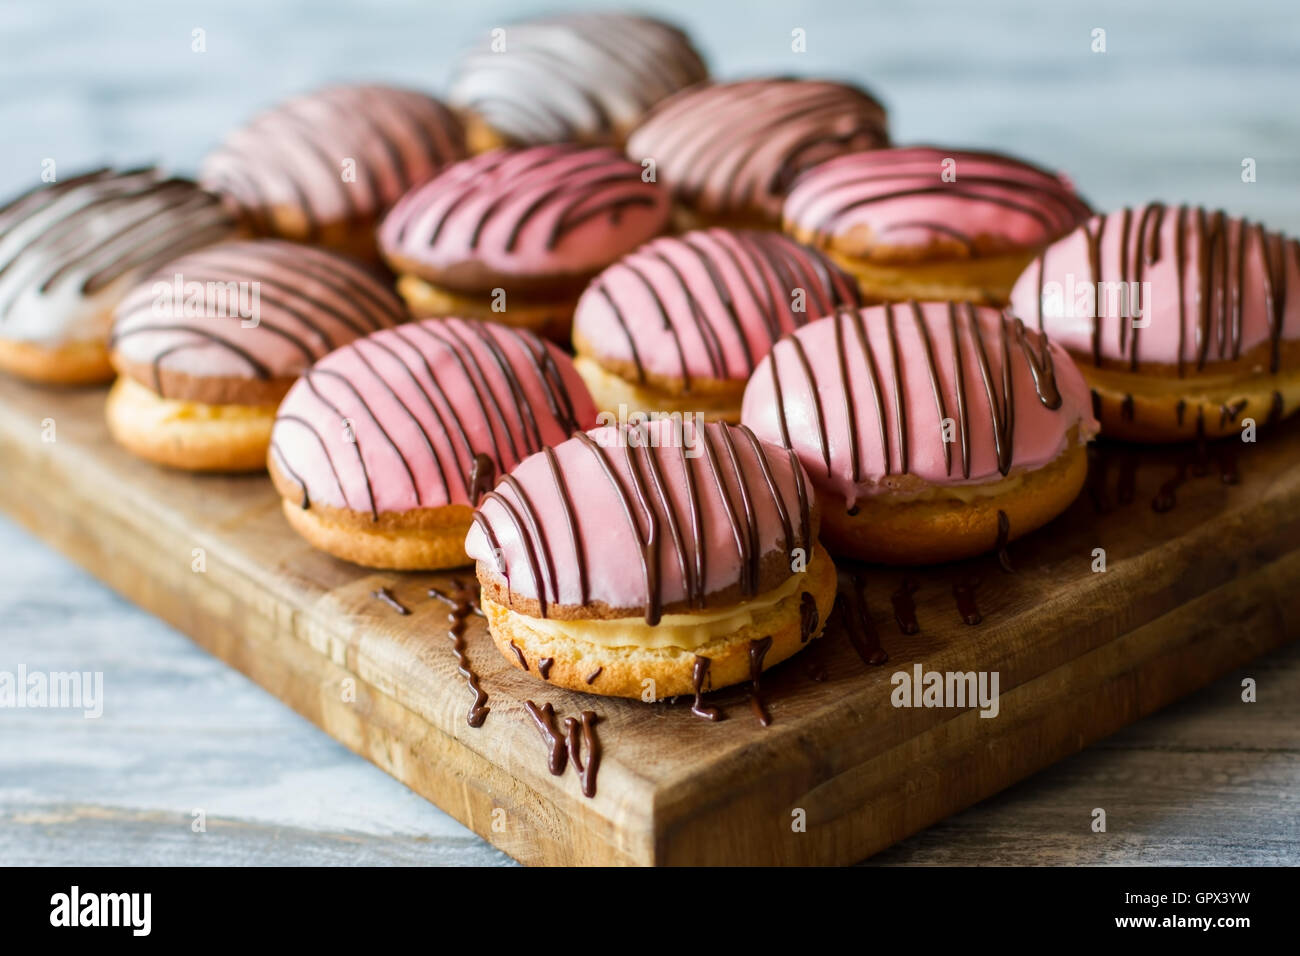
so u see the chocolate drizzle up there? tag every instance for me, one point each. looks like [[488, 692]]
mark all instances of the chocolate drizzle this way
[[461, 606], [758, 649], [1000, 546], [964, 592], [482, 476], [575, 746], [733, 468], [495, 199], [882, 378], [544, 718], [749, 274], [311, 300], [881, 177], [289, 156], [544, 667], [1214, 313], [519, 655], [468, 439], [729, 147], [851, 611], [571, 77], [86, 232], [1099, 456], [1167, 496], [591, 678], [905, 606], [387, 597], [699, 679], [808, 619]]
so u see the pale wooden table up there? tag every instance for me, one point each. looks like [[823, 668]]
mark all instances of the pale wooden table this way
[[1183, 94]]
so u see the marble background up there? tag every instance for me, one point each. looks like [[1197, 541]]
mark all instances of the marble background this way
[[1184, 92]]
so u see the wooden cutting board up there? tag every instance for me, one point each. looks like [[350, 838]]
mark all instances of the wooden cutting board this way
[[1186, 596]]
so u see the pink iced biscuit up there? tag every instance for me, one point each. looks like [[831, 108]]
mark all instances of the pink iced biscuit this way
[[733, 149], [861, 397], [342, 154], [425, 415], [1237, 288], [918, 196], [707, 304], [548, 214], [712, 498], [261, 309]]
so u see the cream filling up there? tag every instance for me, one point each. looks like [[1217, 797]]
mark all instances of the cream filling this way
[[685, 631]]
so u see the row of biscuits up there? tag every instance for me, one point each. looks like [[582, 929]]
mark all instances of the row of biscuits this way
[[824, 338]]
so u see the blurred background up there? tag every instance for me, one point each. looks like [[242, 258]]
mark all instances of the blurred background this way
[[1184, 91]]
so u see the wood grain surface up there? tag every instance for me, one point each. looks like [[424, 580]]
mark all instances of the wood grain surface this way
[[1184, 92], [1186, 596]]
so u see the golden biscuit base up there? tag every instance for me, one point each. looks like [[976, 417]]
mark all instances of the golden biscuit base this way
[[891, 530], [351, 237], [942, 272], [188, 435], [1157, 408], [423, 539], [72, 363], [713, 399], [553, 320], [623, 671]]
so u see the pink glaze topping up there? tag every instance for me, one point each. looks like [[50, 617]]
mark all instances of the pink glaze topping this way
[[425, 414], [708, 304], [915, 196], [536, 212], [1207, 288], [735, 148], [258, 309], [643, 516], [340, 154], [862, 397]]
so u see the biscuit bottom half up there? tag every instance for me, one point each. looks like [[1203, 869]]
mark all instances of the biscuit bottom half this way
[[713, 400], [69, 363], [550, 319], [187, 434], [985, 280], [422, 539], [952, 522], [626, 657], [1165, 408]]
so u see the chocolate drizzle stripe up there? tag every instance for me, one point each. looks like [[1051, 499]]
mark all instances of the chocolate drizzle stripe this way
[[460, 607], [700, 680], [293, 150], [973, 334], [882, 177], [1214, 312], [665, 519], [760, 269], [429, 357], [496, 199], [97, 227], [387, 597]]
